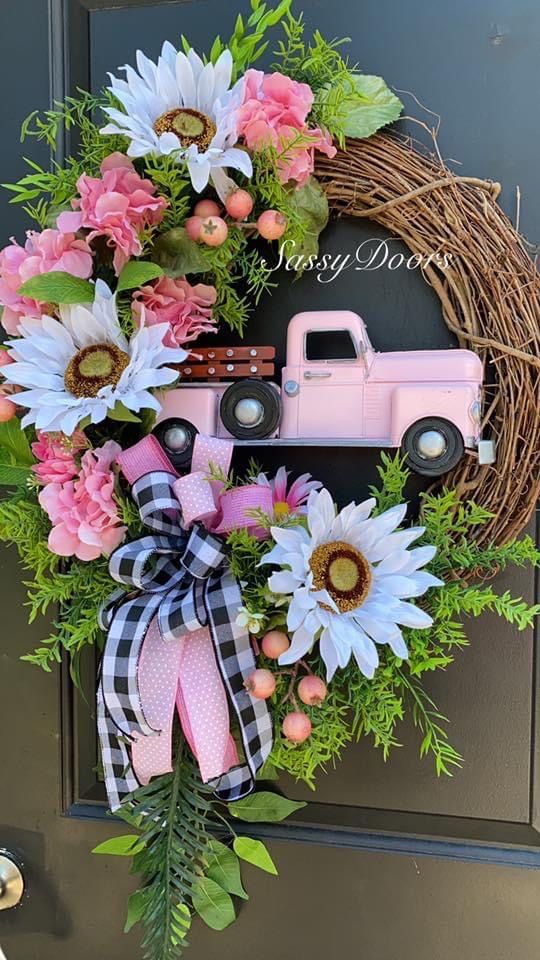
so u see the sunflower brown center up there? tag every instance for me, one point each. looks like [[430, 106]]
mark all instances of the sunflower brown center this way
[[343, 572], [99, 365], [190, 126]]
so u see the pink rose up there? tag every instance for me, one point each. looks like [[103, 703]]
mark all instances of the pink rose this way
[[118, 205], [42, 253], [56, 454], [274, 113], [83, 511], [187, 309]]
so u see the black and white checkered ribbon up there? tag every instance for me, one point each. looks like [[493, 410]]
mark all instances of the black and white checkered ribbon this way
[[182, 578]]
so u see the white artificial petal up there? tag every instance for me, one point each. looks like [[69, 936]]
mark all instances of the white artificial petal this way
[[392, 542], [301, 643], [140, 148], [321, 512], [199, 174], [169, 54], [238, 160], [396, 562], [167, 86], [418, 558], [290, 538], [302, 603], [186, 81], [30, 375], [420, 582], [195, 63], [283, 582], [169, 143], [222, 74], [222, 183], [328, 654], [340, 639], [408, 615], [275, 555], [397, 645], [376, 528], [146, 68], [205, 90], [397, 586]]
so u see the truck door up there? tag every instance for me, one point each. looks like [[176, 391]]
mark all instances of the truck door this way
[[332, 373]]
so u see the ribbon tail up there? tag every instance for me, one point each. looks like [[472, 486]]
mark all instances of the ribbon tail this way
[[202, 706], [236, 661], [120, 779], [157, 679]]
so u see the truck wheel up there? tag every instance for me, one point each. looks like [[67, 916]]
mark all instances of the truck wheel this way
[[177, 436], [250, 409], [433, 446]]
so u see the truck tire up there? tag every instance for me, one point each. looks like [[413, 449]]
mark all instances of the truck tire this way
[[433, 446], [176, 436], [250, 409]]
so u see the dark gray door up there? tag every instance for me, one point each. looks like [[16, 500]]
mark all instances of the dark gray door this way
[[389, 863]]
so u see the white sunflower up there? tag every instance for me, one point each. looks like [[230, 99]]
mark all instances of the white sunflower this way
[[182, 107], [349, 576], [80, 366]]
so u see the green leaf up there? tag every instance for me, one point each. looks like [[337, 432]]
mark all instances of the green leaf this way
[[14, 440], [135, 909], [125, 846], [178, 255], [136, 273], [58, 287], [121, 413], [254, 852], [376, 106], [311, 206], [224, 869], [264, 806], [213, 904], [13, 476]]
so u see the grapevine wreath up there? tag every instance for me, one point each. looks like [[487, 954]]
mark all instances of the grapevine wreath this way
[[248, 625]]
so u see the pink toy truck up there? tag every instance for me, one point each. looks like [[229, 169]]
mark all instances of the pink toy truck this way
[[336, 391]]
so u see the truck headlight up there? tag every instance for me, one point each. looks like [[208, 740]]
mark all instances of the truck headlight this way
[[476, 411]]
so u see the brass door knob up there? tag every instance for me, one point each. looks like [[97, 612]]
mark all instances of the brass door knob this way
[[11, 882]]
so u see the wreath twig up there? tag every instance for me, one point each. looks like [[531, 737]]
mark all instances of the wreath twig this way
[[490, 298]]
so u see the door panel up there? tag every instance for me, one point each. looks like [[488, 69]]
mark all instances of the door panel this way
[[353, 865]]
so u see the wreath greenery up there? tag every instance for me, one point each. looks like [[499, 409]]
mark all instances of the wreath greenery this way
[[61, 478]]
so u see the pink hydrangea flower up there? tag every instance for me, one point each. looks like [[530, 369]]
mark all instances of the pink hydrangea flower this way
[[118, 205], [187, 309], [289, 501], [56, 454], [274, 113], [83, 511], [42, 253]]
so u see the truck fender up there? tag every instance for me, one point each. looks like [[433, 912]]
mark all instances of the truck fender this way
[[449, 401]]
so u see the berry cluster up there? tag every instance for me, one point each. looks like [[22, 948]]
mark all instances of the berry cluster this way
[[206, 225], [311, 690]]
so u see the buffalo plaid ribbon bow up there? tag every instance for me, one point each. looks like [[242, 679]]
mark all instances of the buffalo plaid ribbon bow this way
[[181, 578]]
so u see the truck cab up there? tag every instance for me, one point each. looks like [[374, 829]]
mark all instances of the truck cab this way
[[337, 390]]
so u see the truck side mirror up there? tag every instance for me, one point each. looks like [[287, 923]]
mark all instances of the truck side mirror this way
[[363, 350]]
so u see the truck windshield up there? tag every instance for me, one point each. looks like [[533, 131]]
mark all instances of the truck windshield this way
[[329, 345]]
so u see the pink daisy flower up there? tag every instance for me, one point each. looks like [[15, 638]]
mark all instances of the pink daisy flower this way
[[293, 500]]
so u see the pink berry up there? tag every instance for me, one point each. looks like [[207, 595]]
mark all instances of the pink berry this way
[[261, 684], [5, 358], [271, 224], [193, 227], [7, 410], [239, 204], [207, 208], [274, 643], [296, 727], [312, 690], [214, 231]]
